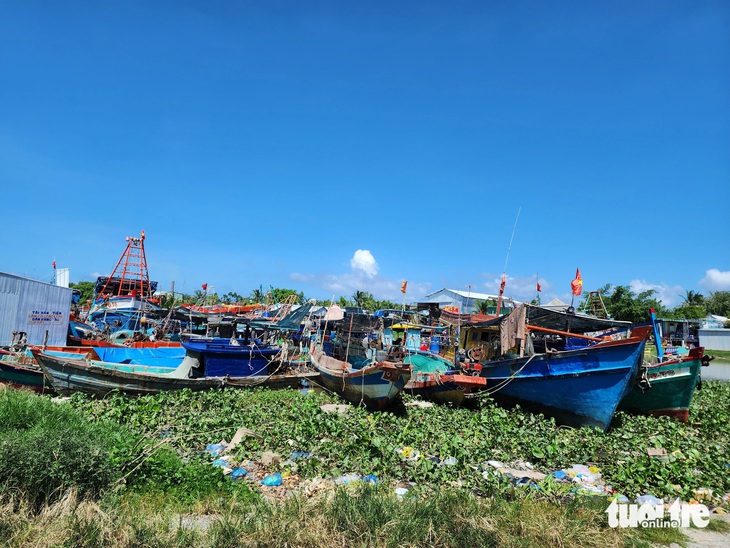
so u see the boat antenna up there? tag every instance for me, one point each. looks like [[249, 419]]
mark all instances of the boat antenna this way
[[504, 272]]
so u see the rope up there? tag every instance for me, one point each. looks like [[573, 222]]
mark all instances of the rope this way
[[505, 382]]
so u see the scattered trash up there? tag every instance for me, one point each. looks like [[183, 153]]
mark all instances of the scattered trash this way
[[272, 480], [297, 455], [702, 494], [422, 404], [650, 499], [372, 479], [347, 479], [238, 473], [409, 453], [515, 473], [401, 492], [561, 475], [238, 436], [450, 461], [621, 499], [658, 453], [268, 458], [334, 408], [215, 449]]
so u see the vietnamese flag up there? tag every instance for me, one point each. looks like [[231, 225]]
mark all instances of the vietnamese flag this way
[[205, 287], [54, 265], [577, 284], [538, 287]]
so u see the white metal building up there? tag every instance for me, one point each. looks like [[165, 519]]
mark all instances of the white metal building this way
[[33, 307], [464, 301]]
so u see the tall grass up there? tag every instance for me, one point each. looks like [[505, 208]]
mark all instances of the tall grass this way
[[356, 517]]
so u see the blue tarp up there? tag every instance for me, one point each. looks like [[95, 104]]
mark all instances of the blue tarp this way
[[159, 357]]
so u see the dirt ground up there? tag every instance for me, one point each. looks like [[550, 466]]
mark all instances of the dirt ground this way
[[702, 538]]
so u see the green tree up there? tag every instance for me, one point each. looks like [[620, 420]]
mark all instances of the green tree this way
[[86, 289], [280, 295], [623, 304], [482, 307], [365, 300], [693, 299], [343, 302], [256, 296], [232, 297], [718, 303], [381, 305]]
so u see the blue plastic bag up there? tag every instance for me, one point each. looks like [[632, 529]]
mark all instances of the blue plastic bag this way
[[238, 473], [272, 480]]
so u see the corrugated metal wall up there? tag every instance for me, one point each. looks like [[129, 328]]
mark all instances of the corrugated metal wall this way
[[34, 307]]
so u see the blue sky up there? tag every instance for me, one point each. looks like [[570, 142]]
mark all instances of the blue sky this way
[[330, 147]]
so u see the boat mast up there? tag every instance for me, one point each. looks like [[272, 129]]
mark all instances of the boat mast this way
[[134, 273], [504, 272]]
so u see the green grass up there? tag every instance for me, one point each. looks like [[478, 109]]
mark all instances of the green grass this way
[[365, 516], [725, 354], [171, 496]]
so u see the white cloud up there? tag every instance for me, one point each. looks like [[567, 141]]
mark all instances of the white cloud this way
[[716, 280], [364, 261], [364, 277], [668, 295]]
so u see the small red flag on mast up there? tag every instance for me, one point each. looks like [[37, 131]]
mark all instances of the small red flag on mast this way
[[577, 284], [205, 287]]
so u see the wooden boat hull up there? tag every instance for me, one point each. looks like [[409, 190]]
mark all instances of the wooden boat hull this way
[[433, 378], [577, 387], [665, 388], [20, 375], [71, 375], [375, 385], [453, 389]]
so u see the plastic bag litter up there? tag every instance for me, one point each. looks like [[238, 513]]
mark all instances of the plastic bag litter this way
[[650, 499], [238, 473], [347, 479], [272, 480], [401, 492], [215, 449]]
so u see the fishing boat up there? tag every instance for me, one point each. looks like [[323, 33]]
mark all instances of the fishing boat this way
[[577, 379], [20, 372], [665, 386], [247, 354], [220, 357], [374, 384], [67, 375], [18, 367], [434, 378]]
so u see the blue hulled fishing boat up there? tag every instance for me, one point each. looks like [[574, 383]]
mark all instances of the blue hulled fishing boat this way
[[577, 379]]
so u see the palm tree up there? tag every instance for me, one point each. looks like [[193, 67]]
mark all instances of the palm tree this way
[[256, 296], [482, 307], [693, 299]]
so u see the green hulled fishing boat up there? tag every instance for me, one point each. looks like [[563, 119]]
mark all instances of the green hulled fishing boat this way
[[666, 387]]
